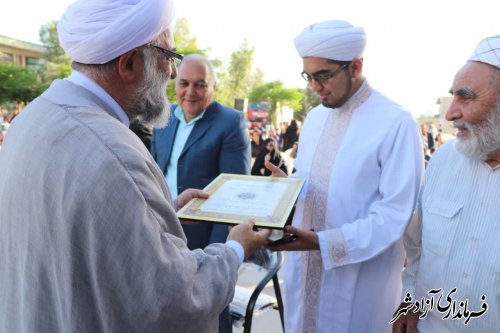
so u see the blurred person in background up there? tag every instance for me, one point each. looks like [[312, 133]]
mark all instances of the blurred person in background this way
[[427, 137], [290, 136], [270, 154], [257, 143]]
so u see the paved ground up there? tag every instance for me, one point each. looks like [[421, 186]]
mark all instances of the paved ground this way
[[267, 321]]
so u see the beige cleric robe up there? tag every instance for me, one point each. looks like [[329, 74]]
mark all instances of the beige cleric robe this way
[[89, 240]]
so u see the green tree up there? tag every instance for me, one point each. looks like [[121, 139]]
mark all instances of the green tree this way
[[309, 100], [257, 79], [57, 63], [276, 94], [185, 44], [222, 93], [19, 85], [236, 82], [50, 40]]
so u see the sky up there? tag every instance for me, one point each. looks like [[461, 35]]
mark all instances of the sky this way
[[414, 47]]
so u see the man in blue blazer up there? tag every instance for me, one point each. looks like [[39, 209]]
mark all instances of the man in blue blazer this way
[[201, 140]]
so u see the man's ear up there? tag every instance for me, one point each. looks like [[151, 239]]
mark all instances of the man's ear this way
[[130, 66], [356, 67]]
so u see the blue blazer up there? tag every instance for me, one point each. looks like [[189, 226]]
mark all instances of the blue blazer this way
[[218, 143]]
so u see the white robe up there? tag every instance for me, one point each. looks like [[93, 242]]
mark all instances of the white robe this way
[[372, 190]]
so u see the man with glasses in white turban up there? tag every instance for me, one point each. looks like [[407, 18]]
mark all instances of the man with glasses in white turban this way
[[361, 156], [89, 237], [452, 244]]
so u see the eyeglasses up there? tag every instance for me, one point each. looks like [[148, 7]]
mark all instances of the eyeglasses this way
[[323, 76], [174, 57]]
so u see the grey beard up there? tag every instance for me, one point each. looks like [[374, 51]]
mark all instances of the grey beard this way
[[484, 136], [152, 107]]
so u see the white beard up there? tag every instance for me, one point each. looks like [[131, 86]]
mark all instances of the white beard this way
[[484, 136]]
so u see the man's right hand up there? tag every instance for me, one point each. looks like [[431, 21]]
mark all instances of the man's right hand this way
[[250, 239], [406, 323], [275, 171]]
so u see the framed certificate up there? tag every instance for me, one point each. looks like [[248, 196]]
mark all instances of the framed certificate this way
[[236, 198]]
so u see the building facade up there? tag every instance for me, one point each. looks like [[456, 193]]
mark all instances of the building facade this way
[[21, 53]]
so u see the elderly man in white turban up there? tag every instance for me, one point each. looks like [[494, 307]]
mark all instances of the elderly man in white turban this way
[[361, 156], [89, 237], [452, 244]]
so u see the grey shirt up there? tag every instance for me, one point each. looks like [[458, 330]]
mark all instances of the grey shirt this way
[[89, 240]]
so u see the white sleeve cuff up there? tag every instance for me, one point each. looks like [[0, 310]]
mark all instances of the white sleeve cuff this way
[[236, 246], [323, 250], [333, 248]]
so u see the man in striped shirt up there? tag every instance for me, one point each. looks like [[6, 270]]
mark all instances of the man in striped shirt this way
[[452, 279]]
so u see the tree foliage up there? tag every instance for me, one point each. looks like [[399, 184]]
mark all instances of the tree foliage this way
[[236, 82], [276, 94], [53, 51], [57, 63], [185, 43], [309, 100], [19, 85], [257, 79]]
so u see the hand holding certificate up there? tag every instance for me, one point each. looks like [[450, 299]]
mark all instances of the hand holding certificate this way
[[296, 239], [236, 198]]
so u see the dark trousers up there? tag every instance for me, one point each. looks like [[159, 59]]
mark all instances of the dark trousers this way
[[225, 324]]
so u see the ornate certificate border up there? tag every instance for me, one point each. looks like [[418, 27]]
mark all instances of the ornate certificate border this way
[[276, 220]]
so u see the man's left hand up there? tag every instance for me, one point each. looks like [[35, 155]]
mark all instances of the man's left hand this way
[[189, 194], [406, 323], [307, 240]]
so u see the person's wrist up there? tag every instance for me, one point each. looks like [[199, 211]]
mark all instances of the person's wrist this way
[[238, 248]]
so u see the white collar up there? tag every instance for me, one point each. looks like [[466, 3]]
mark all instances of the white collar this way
[[86, 82]]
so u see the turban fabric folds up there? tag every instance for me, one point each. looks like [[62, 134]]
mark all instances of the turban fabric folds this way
[[488, 51], [334, 40], [97, 31]]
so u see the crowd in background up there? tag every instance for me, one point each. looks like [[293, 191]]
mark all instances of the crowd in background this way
[[280, 149], [432, 138], [4, 126], [286, 141]]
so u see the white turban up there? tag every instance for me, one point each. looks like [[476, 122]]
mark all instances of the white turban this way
[[97, 31], [488, 51], [334, 40]]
